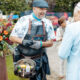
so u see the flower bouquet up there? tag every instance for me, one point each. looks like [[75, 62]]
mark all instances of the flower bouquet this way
[[5, 30]]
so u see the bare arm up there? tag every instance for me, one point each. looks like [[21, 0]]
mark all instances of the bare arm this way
[[59, 39], [48, 43], [15, 39]]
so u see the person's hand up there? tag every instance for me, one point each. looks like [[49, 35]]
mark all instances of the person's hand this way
[[36, 44], [27, 43]]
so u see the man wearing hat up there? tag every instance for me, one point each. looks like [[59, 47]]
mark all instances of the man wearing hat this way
[[41, 34]]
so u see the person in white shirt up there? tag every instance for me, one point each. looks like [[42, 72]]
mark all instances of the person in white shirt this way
[[61, 29], [59, 36], [28, 31]]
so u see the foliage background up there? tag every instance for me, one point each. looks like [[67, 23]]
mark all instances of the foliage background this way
[[65, 5], [15, 6], [18, 6]]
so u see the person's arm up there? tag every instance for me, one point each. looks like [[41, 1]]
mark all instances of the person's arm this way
[[50, 35], [15, 39], [48, 43], [67, 43], [24, 42], [18, 33]]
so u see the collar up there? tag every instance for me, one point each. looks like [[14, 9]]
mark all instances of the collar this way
[[34, 16]]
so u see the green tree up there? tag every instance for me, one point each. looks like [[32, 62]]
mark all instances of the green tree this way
[[16, 6], [64, 5]]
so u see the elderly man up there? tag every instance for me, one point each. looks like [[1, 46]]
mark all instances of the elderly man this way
[[70, 47], [40, 34]]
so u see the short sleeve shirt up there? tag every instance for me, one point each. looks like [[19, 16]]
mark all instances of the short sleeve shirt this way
[[59, 33], [21, 27]]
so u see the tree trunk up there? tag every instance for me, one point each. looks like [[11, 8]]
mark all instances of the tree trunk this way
[[3, 70]]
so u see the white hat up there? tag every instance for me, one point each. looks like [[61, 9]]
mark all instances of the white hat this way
[[77, 7]]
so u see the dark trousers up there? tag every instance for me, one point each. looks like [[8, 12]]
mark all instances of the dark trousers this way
[[40, 73]]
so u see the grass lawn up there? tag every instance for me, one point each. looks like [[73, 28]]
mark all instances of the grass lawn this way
[[9, 62]]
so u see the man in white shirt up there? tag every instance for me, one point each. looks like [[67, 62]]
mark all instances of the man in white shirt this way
[[41, 34]]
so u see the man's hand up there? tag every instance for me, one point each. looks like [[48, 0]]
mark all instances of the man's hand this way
[[27, 43], [36, 44]]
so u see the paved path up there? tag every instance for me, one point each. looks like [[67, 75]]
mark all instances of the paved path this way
[[54, 61]]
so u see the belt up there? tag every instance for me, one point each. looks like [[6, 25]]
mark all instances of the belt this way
[[33, 57]]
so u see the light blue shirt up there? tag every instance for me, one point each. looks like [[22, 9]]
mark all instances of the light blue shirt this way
[[70, 50], [21, 27]]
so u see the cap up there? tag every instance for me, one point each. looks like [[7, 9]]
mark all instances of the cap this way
[[40, 3]]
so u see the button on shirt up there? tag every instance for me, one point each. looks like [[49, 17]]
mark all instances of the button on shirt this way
[[21, 27]]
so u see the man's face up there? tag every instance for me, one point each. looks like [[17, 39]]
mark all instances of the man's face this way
[[39, 12]]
